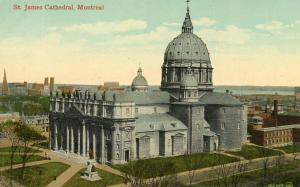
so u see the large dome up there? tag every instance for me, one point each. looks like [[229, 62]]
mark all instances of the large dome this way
[[186, 51], [188, 47]]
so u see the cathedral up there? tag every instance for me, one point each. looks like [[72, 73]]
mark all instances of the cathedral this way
[[184, 117]]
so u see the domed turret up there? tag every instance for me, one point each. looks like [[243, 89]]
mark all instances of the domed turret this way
[[139, 83], [187, 50]]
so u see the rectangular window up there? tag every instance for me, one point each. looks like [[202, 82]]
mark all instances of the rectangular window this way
[[238, 126], [155, 109], [127, 111], [136, 111], [223, 126]]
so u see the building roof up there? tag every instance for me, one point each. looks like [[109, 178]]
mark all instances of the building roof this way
[[216, 98], [158, 122], [139, 98], [282, 127], [295, 114]]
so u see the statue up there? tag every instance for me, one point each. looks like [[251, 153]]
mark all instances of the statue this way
[[91, 154], [91, 174], [95, 96], [114, 97], [103, 95]]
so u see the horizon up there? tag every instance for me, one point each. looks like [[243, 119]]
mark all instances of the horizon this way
[[248, 45]]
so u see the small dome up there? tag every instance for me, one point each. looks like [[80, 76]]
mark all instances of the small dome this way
[[139, 81]]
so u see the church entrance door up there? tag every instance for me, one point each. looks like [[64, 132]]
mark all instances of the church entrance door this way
[[127, 155]]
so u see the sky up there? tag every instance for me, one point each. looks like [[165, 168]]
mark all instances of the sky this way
[[250, 42]]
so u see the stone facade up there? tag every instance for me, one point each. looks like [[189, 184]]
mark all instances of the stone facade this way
[[186, 116]]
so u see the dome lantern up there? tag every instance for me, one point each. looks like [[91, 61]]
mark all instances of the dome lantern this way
[[187, 26]]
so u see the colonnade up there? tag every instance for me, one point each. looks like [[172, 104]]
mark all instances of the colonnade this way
[[80, 138]]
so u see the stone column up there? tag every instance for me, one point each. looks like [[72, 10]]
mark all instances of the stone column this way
[[87, 140], [61, 137], [83, 139], [95, 109], [63, 105], [102, 145], [78, 150], [55, 137], [113, 144], [94, 144], [72, 139], [68, 140], [50, 133]]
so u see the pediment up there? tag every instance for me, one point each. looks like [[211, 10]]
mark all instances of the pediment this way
[[74, 110]]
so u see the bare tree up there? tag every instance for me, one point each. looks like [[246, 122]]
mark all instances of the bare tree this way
[[222, 171], [192, 163], [154, 173], [237, 170]]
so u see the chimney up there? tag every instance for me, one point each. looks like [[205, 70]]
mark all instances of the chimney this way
[[275, 111]]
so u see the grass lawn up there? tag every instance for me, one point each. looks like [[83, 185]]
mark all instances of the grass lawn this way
[[44, 145], [19, 148], [5, 159], [290, 148], [251, 152], [38, 175], [274, 175], [206, 160], [107, 179]]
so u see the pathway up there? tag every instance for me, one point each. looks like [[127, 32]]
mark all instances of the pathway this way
[[65, 176]]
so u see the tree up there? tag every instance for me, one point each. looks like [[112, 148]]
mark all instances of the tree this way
[[134, 173], [155, 173], [192, 163], [237, 170], [8, 129], [27, 136]]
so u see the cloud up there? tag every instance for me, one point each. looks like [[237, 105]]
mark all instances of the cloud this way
[[274, 25], [206, 22], [105, 27], [171, 24], [160, 34], [230, 35]]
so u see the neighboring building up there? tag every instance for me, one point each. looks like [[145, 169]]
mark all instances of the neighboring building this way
[[185, 116], [111, 86], [18, 89], [46, 81], [51, 84], [40, 123], [5, 91], [255, 122], [9, 117], [277, 136], [297, 93]]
